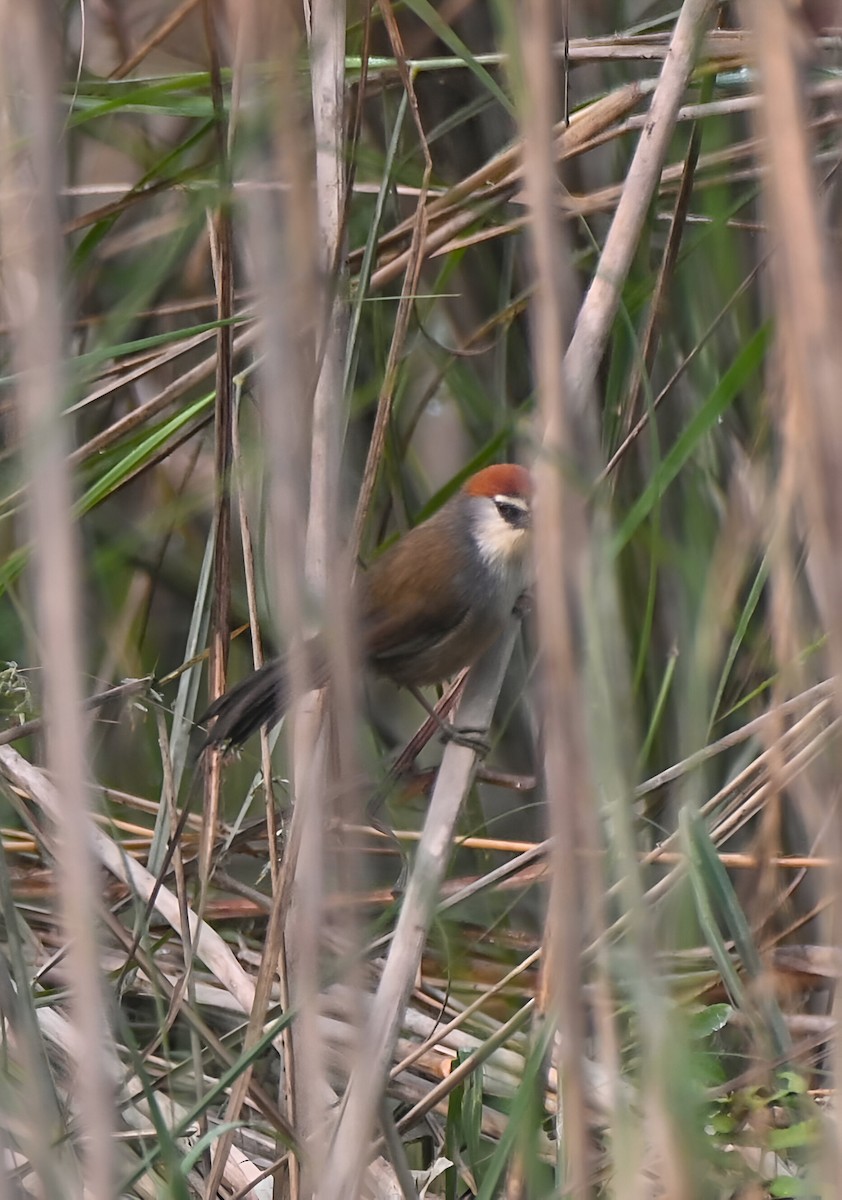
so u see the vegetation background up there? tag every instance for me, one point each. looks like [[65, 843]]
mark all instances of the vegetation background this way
[[275, 279]]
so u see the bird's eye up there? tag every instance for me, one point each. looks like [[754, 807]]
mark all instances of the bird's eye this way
[[513, 512]]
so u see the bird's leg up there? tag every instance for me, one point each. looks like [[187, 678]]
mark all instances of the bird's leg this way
[[473, 739]]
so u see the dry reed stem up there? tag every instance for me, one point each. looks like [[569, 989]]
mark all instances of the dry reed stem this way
[[349, 1149], [328, 566], [599, 308], [606, 198], [412, 261], [179, 388], [155, 38], [563, 569], [807, 297], [222, 258], [34, 287], [258, 656], [467, 1067], [735, 804], [648, 340], [561, 566], [222, 246], [800, 742], [287, 274], [210, 947], [327, 58], [490, 184], [562, 578], [722, 45]]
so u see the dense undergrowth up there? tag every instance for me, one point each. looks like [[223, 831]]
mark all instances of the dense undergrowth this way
[[238, 336]]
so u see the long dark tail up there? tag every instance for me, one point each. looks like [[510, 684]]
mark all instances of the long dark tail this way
[[259, 699]]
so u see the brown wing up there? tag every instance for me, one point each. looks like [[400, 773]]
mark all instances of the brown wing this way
[[434, 601]]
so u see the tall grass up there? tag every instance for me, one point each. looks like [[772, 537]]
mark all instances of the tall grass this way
[[274, 282]]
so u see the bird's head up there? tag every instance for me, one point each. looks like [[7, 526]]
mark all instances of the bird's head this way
[[501, 510]]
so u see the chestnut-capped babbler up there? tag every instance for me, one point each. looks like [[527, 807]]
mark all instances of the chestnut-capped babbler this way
[[427, 608]]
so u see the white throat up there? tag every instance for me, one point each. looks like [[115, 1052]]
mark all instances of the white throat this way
[[501, 546]]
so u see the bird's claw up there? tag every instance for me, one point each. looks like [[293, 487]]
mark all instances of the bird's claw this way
[[471, 739]]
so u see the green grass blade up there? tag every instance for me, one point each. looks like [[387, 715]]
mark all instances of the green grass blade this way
[[744, 367]]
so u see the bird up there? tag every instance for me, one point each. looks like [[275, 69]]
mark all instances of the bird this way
[[428, 607]]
